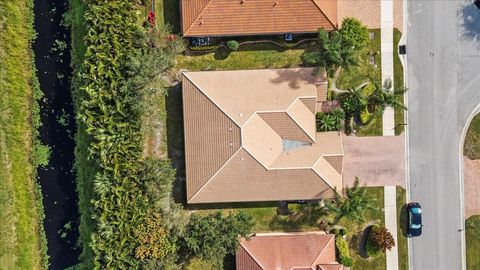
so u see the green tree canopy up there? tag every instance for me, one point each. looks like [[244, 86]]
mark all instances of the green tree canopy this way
[[353, 204], [331, 53], [354, 33], [213, 236]]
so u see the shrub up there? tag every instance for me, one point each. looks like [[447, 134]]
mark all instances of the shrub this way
[[233, 45], [346, 261], [334, 231], [214, 236], [41, 154], [342, 249], [371, 249], [354, 33], [330, 121], [343, 231], [381, 238]]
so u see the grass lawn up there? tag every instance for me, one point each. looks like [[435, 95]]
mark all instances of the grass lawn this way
[[252, 56], [166, 12], [471, 148], [401, 230], [472, 235], [398, 83], [305, 218], [360, 74], [21, 240], [364, 70]]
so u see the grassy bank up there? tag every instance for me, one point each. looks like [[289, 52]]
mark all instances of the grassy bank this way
[[471, 148], [22, 239], [85, 169], [472, 236]]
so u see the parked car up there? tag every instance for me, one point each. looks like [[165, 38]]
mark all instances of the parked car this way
[[414, 217]]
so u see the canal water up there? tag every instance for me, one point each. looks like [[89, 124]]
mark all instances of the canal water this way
[[52, 59]]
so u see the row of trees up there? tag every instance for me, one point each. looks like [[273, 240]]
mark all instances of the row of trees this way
[[136, 224]]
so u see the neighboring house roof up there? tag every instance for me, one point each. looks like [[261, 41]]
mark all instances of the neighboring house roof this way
[[287, 251], [256, 17], [250, 136]]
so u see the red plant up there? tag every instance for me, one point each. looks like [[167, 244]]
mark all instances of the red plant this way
[[151, 18]]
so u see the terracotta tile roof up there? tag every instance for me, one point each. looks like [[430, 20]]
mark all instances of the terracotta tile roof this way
[[249, 133], [286, 251], [256, 17]]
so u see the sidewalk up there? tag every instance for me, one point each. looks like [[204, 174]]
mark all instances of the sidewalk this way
[[390, 201], [386, 37]]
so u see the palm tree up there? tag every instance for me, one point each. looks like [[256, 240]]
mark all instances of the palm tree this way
[[326, 122], [384, 97], [331, 53], [354, 203], [353, 101]]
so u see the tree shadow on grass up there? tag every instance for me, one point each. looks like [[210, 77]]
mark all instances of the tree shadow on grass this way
[[362, 243], [221, 53], [175, 140]]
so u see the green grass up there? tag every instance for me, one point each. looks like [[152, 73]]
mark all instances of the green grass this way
[[398, 83], [254, 56], [472, 236], [362, 73], [167, 12], [22, 242], [85, 169], [471, 148], [303, 218], [364, 70], [401, 236]]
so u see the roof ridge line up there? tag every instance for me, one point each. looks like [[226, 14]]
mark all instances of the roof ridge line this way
[[296, 122], [253, 257], [323, 13], [321, 252], [219, 169], [211, 99], [323, 178], [200, 14]]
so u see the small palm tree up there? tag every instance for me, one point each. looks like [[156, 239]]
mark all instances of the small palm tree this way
[[354, 203], [326, 122], [384, 97], [353, 101]]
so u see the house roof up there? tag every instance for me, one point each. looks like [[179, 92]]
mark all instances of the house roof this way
[[250, 136], [286, 251], [256, 17]]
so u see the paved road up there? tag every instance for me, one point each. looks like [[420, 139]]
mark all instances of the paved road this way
[[444, 89]]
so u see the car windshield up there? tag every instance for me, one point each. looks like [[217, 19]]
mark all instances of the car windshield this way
[[416, 218]]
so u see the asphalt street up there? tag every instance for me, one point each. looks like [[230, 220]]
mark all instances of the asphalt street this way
[[443, 92]]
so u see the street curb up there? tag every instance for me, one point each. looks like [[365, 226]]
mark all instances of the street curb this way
[[462, 191], [404, 62]]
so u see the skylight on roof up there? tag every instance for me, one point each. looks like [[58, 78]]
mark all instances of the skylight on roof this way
[[292, 145]]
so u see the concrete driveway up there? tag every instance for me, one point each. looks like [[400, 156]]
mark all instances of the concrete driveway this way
[[376, 161]]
